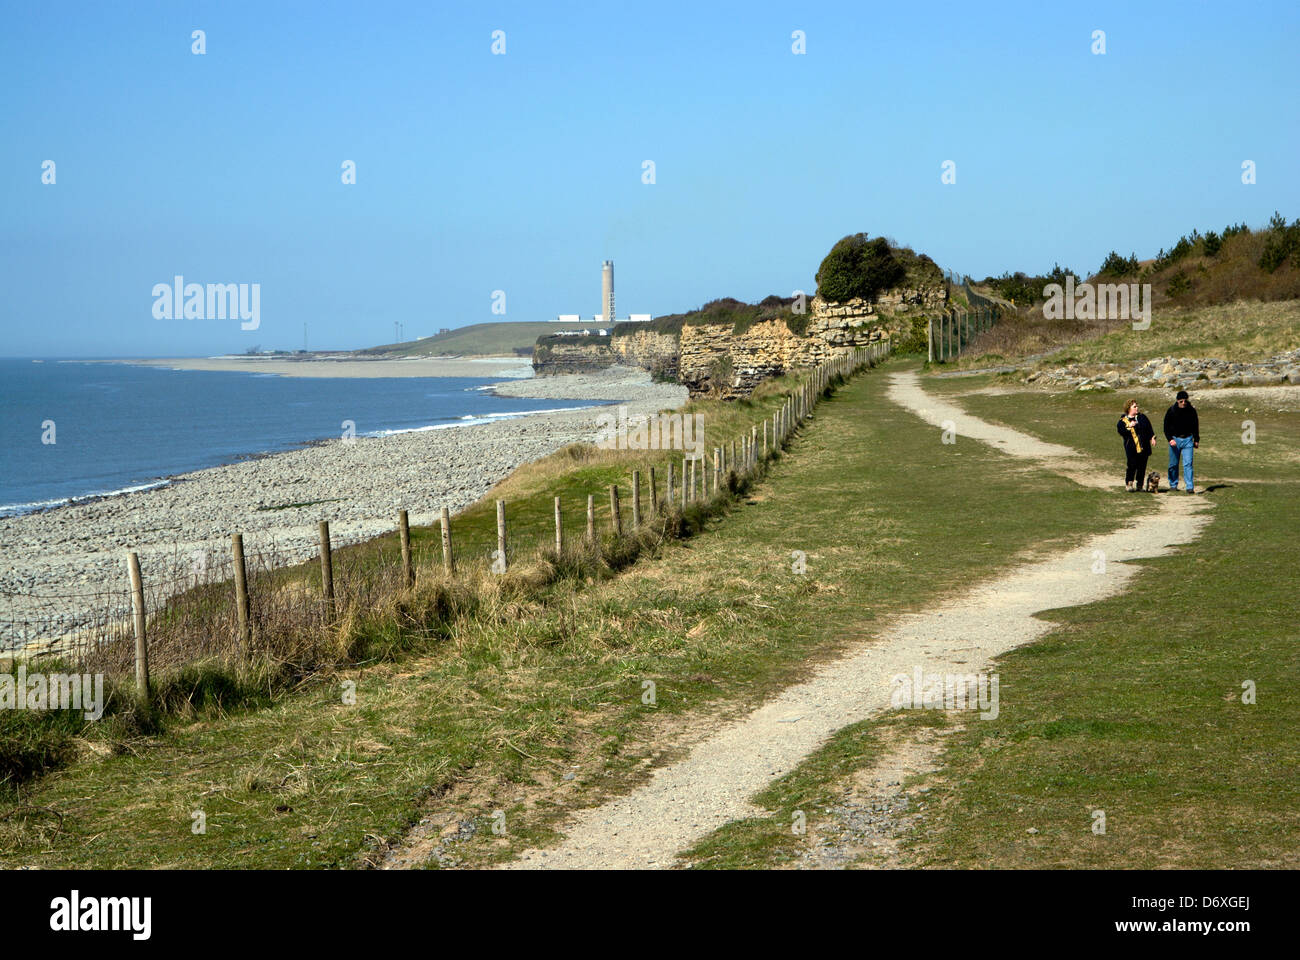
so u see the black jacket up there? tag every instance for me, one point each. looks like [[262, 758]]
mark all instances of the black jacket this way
[[1182, 423], [1146, 433]]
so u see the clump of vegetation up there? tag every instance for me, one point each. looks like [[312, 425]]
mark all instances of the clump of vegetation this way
[[1282, 244], [1116, 266], [1200, 269], [859, 268], [1021, 288]]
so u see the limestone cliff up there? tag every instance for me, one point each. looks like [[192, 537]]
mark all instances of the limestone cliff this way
[[556, 355], [729, 359]]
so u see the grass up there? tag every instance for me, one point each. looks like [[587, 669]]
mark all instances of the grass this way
[[1087, 422], [1151, 727], [1131, 705], [492, 714], [195, 650], [1239, 331], [474, 339], [811, 789]]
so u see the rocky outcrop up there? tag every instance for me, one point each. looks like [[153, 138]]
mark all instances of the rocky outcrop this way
[[714, 359], [553, 356], [717, 361], [650, 350]]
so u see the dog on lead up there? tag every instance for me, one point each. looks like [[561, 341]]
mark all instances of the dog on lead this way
[[1153, 482]]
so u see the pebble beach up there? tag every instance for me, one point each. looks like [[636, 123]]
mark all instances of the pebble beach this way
[[277, 501]]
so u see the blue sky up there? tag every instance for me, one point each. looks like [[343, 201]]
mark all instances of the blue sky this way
[[522, 172]]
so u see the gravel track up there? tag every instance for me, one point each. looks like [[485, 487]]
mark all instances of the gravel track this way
[[685, 801]]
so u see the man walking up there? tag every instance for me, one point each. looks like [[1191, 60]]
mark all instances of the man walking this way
[[1183, 431]]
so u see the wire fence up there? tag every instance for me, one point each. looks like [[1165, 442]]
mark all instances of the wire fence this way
[[950, 332]]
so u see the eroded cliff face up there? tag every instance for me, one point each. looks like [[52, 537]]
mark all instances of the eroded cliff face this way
[[556, 357], [653, 351], [716, 361], [712, 359]]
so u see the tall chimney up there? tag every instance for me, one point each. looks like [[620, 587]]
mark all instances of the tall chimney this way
[[607, 291]]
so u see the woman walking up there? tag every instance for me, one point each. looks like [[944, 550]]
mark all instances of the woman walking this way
[[1137, 432]]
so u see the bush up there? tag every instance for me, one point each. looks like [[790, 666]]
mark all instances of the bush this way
[[1212, 243], [1021, 288], [1178, 284], [858, 267], [1282, 244]]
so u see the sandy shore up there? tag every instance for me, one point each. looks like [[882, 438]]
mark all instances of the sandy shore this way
[[81, 548], [354, 367]]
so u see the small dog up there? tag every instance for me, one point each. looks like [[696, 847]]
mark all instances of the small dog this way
[[1153, 482]]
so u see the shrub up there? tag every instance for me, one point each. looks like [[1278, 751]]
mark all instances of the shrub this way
[[859, 267], [1178, 284], [1282, 244]]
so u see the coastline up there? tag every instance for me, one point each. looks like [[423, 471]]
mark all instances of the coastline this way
[[276, 500], [348, 366]]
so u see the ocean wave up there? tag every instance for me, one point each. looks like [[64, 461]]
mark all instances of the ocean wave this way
[[18, 509], [473, 419]]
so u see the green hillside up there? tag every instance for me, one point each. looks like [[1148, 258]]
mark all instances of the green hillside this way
[[477, 339]]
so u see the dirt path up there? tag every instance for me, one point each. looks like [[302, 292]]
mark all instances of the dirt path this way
[[685, 801]]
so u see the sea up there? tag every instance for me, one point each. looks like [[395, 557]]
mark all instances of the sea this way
[[76, 429]]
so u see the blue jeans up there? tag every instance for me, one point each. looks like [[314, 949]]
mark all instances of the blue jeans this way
[[1184, 450]]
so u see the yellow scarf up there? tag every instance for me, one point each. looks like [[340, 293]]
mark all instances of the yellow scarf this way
[[1131, 424]]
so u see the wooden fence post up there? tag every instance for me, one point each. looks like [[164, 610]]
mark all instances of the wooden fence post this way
[[636, 499], [591, 518], [404, 531], [448, 559], [326, 564], [501, 535], [138, 618], [241, 587], [616, 518], [654, 494], [559, 530], [683, 484], [668, 488]]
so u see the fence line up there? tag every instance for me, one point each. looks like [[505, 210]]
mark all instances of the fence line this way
[[151, 620], [948, 334]]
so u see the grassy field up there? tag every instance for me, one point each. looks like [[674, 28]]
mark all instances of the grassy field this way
[[475, 339], [493, 715], [1241, 331], [1132, 706]]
